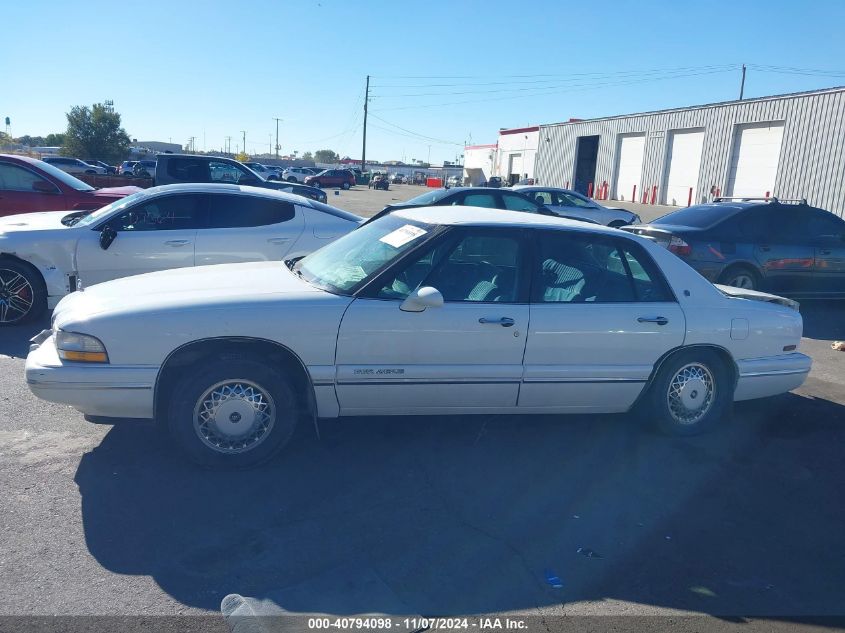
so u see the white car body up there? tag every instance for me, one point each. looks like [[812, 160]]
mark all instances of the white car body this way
[[363, 356], [573, 204], [298, 174], [64, 254], [74, 166], [267, 172]]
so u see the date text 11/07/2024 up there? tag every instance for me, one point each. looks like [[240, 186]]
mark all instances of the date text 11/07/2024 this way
[[419, 624]]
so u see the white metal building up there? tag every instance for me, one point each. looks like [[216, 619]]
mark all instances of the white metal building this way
[[789, 146], [479, 161], [517, 150]]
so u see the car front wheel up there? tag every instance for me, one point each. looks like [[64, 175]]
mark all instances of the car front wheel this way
[[23, 296], [691, 393], [291, 179], [235, 414]]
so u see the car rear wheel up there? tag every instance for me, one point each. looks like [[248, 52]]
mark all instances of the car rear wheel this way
[[292, 179], [234, 414], [345, 185], [740, 277], [23, 296], [691, 393]]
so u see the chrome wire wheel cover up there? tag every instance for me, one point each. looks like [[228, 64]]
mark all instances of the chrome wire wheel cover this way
[[234, 416], [691, 393], [16, 296]]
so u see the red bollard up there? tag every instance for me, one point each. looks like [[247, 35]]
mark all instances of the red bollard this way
[[567, 184], [767, 193], [653, 194], [634, 194], [590, 190], [718, 193], [689, 199], [645, 196]]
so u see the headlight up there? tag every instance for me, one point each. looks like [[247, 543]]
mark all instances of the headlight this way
[[80, 348]]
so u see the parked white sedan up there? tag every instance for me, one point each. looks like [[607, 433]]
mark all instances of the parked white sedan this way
[[573, 205], [47, 255], [438, 310]]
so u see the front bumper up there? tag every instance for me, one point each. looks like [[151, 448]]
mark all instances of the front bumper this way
[[105, 390], [772, 375]]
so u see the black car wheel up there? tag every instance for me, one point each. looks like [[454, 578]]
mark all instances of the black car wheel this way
[[237, 413], [740, 277], [291, 179], [691, 393], [345, 185], [23, 295]]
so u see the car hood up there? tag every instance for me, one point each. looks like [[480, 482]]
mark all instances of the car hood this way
[[112, 192], [756, 295], [45, 220], [201, 287]]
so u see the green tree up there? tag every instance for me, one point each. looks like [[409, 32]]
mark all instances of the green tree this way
[[308, 156], [55, 140], [326, 156], [95, 133], [5, 139]]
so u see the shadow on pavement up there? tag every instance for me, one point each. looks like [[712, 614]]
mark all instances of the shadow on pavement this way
[[14, 340], [471, 515]]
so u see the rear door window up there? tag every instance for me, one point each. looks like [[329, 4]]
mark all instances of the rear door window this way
[[485, 200], [186, 169], [247, 211], [514, 202]]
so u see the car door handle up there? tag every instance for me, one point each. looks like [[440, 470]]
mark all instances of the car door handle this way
[[503, 321], [177, 243], [655, 319], [278, 240]]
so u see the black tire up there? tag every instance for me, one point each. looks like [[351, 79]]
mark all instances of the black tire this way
[[317, 184], [20, 284], [690, 370], [241, 374], [346, 185], [292, 179], [740, 276]]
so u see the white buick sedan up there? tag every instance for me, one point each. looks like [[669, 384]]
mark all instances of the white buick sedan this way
[[44, 256], [439, 310]]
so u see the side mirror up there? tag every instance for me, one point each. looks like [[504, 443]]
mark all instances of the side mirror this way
[[248, 180], [422, 298], [107, 236]]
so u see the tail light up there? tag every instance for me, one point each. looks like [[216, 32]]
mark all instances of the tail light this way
[[679, 247]]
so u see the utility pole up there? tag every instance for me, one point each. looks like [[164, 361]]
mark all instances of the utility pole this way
[[228, 144], [742, 85], [244, 133], [277, 119], [364, 147]]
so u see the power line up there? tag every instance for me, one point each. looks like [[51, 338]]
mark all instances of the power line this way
[[417, 134], [534, 75], [576, 88]]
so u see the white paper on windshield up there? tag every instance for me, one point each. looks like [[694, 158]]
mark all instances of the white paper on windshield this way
[[402, 235]]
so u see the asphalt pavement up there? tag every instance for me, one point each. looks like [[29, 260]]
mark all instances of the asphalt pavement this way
[[453, 515]]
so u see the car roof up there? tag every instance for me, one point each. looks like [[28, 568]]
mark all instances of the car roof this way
[[218, 187], [481, 216]]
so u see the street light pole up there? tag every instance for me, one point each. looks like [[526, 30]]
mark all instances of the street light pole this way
[[277, 136], [244, 133]]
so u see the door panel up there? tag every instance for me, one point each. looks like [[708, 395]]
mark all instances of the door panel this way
[[629, 165], [684, 165], [133, 253], [592, 356], [754, 160], [439, 360]]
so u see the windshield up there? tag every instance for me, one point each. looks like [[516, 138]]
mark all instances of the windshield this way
[[102, 212], [358, 256], [65, 177], [427, 198]]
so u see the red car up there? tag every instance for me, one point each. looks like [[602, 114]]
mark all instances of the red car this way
[[28, 184], [332, 178]]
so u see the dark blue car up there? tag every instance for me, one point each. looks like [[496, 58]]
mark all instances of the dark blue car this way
[[783, 247]]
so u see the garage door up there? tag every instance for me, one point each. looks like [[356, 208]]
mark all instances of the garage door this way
[[515, 166], [754, 161], [629, 165], [684, 162]]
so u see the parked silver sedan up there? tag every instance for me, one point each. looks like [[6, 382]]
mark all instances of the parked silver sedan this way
[[573, 204]]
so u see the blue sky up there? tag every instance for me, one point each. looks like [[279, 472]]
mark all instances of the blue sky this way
[[210, 69]]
